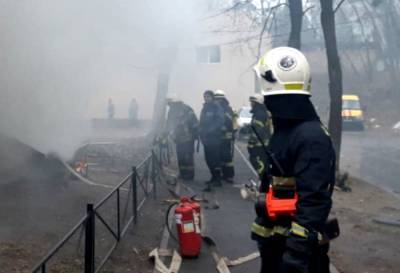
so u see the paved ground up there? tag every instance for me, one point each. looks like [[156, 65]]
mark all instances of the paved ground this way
[[373, 157], [229, 225]]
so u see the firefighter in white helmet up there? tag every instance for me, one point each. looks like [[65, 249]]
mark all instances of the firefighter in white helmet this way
[[259, 133], [211, 123], [219, 94], [301, 146], [182, 125], [228, 137]]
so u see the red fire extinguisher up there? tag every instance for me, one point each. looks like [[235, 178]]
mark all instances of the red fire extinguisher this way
[[187, 216]]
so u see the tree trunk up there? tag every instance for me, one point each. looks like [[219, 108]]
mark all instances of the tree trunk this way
[[368, 66], [335, 75], [159, 103], [296, 18], [167, 58], [380, 38]]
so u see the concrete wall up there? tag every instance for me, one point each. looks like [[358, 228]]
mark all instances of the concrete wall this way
[[233, 74]]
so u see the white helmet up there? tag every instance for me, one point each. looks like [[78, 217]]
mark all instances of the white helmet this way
[[219, 94], [257, 98], [172, 97], [284, 70]]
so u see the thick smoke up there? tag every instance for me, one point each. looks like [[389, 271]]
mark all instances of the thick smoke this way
[[60, 61]]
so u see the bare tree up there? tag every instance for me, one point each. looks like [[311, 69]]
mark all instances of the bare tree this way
[[296, 19], [335, 75]]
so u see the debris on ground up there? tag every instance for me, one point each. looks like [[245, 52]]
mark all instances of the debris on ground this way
[[396, 127], [342, 182], [364, 245]]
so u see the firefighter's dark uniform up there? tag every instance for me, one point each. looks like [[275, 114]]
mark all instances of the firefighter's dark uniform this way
[[211, 122], [183, 125], [304, 150], [259, 123], [227, 141]]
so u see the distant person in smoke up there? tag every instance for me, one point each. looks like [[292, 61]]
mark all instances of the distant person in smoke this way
[[133, 109], [111, 109]]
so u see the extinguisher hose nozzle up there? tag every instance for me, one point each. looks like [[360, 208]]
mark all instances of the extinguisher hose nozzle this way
[[167, 221], [209, 241]]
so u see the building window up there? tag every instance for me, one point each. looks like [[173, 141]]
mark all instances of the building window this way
[[208, 54]]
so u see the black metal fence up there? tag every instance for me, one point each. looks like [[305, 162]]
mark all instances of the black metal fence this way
[[129, 196]]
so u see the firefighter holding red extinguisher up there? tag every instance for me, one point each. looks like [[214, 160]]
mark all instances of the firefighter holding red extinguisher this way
[[302, 168]]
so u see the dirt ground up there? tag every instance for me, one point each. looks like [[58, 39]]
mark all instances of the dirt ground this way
[[38, 207], [131, 255], [365, 246]]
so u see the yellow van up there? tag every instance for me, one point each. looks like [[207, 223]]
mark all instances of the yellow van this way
[[352, 113]]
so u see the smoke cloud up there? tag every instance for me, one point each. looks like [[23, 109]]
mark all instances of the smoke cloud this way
[[60, 61]]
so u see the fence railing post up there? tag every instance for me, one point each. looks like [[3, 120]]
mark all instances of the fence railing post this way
[[134, 194], [153, 173], [160, 152], [168, 154], [118, 216], [89, 239]]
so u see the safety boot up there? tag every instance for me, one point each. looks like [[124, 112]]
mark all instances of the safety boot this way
[[207, 187], [216, 183], [212, 183], [229, 180]]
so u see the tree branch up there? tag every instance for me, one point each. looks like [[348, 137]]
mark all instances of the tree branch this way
[[307, 9], [237, 4], [265, 26], [261, 37], [279, 5], [338, 6]]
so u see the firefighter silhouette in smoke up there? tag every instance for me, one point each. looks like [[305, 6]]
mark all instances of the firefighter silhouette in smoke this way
[[111, 109], [258, 139], [133, 109], [182, 125], [302, 159], [228, 137], [211, 123]]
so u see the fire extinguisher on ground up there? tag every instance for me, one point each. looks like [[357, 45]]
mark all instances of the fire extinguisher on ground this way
[[188, 227]]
